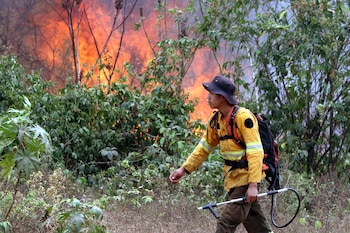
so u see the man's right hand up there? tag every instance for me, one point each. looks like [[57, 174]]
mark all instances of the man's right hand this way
[[176, 175]]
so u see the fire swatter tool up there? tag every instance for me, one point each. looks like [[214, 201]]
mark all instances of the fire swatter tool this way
[[272, 193]]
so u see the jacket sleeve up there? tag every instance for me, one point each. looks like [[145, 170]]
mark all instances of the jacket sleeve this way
[[201, 152]]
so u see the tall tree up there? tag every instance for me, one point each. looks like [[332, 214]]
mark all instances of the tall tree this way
[[293, 56], [303, 65], [75, 12]]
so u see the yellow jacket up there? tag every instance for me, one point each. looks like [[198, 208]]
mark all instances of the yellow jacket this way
[[248, 133]]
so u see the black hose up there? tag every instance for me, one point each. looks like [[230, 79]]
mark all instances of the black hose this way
[[272, 212]]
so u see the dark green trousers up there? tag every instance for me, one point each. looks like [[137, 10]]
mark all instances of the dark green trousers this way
[[250, 214]]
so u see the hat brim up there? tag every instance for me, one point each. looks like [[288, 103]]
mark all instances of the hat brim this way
[[216, 90]]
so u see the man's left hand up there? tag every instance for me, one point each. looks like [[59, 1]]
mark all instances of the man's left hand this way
[[252, 192]]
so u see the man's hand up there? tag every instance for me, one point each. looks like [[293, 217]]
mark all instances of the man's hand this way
[[252, 192], [176, 175]]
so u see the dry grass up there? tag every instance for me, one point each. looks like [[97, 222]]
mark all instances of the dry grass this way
[[158, 217], [327, 201]]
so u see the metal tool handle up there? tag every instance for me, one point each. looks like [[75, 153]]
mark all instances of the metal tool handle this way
[[213, 205]]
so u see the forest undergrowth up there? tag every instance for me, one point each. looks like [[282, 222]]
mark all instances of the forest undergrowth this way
[[325, 206], [325, 210]]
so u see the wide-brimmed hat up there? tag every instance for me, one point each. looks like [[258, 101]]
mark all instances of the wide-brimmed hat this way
[[222, 86]]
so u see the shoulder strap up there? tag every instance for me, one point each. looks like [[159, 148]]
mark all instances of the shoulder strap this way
[[233, 127], [214, 124]]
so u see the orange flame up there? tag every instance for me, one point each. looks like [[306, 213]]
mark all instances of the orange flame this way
[[136, 46]]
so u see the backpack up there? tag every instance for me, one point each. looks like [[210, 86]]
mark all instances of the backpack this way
[[271, 151]]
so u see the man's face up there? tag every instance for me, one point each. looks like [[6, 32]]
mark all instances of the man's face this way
[[215, 100]]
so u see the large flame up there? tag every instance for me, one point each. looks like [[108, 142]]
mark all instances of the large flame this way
[[92, 22]]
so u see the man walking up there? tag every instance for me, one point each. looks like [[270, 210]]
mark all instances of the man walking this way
[[243, 166]]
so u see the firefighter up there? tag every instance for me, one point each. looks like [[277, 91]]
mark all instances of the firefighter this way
[[238, 181]]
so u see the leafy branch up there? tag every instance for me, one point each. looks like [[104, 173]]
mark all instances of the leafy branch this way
[[22, 144]]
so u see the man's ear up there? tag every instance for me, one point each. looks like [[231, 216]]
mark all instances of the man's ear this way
[[222, 97]]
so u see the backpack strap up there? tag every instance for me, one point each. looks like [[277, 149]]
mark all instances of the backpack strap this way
[[236, 164], [214, 123], [233, 126], [274, 181], [243, 163]]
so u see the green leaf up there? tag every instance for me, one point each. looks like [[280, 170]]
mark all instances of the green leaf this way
[[5, 227], [27, 104], [27, 162], [35, 146], [7, 165], [161, 141], [109, 152], [147, 199], [8, 132], [4, 142], [180, 144], [97, 212], [318, 224], [75, 202], [76, 221], [82, 180], [281, 15]]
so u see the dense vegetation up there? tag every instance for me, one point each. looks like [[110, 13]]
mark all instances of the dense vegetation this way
[[122, 140]]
